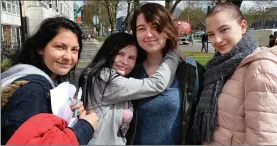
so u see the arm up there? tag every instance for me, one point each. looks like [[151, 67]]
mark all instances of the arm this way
[[261, 103], [123, 89]]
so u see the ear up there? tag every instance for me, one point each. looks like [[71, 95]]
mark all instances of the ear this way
[[243, 25], [40, 52]]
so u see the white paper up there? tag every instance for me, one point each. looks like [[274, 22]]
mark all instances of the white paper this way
[[61, 98]]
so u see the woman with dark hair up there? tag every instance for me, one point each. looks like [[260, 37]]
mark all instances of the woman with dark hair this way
[[46, 59], [165, 118], [238, 104], [108, 87]]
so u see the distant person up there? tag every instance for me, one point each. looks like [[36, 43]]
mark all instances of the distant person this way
[[204, 40], [272, 40], [191, 38]]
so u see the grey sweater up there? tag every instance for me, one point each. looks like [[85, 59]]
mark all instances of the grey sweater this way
[[121, 91]]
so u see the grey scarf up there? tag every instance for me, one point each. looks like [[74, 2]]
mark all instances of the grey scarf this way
[[219, 70]]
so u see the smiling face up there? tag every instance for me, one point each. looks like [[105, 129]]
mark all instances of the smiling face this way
[[61, 54], [224, 32], [148, 37], [125, 60]]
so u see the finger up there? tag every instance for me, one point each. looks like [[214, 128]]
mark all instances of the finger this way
[[82, 114], [76, 106], [81, 109]]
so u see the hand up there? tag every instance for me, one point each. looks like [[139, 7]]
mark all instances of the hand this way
[[91, 117], [79, 107]]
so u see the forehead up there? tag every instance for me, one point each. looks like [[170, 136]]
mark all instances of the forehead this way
[[219, 19], [130, 49], [66, 36], [141, 20]]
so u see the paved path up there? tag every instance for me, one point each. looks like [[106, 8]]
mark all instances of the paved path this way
[[90, 48]]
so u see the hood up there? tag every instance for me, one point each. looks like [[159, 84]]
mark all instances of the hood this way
[[261, 53], [21, 70]]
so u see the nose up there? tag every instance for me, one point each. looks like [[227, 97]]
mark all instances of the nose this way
[[124, 60], [67, 55], [217, 38], [149, 33]]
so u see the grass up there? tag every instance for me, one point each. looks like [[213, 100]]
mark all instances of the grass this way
[[202, 58], [101, 38]]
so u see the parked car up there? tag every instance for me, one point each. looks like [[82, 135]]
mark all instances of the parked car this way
[[184, 40], [199, 34]]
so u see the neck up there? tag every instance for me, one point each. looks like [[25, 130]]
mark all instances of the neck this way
[[53, 76], [152, 62]]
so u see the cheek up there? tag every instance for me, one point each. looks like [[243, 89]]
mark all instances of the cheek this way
[[132, 64]]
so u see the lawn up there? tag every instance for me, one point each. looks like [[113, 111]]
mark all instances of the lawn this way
[[202, 58]]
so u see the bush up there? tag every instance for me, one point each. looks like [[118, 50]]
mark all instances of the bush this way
[[101, 38], [5, 65]]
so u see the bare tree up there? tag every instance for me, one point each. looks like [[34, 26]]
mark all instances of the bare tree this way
[[236, 2], [111, 7], [170, 6], [263, 12]]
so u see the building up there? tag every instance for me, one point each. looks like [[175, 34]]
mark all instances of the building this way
[[37, 11], [10, 24]]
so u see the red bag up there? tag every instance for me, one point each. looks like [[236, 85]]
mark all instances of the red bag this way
[[44, 128]]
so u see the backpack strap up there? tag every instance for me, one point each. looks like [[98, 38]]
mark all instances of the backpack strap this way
[[8, 91]]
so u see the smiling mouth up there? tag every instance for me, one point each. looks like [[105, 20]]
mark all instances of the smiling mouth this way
[[150, 41], [64, 65]]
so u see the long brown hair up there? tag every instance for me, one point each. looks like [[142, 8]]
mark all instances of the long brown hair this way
[[156, 14]]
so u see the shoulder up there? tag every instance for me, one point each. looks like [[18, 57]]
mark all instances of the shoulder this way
[[36, 87], [190, 63]]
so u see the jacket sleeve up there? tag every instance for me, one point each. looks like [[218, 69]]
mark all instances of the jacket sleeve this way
[[261, 103], [26, 102], [44, 129], [123, 89]]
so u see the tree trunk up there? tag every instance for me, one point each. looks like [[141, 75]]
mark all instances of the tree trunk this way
[[174, 6], [136, 4]]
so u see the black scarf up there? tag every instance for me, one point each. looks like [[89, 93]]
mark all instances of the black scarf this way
[[219, 70]]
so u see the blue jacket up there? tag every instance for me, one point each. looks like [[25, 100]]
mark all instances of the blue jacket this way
[[31, 99]]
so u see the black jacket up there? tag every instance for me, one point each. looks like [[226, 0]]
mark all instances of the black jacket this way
[[186, 76], [31, 99]]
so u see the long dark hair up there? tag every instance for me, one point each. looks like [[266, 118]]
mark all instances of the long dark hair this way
[[47, 30], [90, 76], [160, 16]]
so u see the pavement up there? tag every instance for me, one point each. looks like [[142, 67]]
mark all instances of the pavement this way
[[90, 48]]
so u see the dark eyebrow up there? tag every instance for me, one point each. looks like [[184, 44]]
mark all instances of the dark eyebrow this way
[[63, 44], [218, 28], [140, 25]]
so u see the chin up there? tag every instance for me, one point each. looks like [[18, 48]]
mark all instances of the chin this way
[[121, 72]]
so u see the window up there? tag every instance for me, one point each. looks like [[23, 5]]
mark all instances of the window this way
[[4, 6], [9, 9], [17, 10], [13, 9], [17, 3]]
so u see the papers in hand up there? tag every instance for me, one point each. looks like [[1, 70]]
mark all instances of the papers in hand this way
[[61, 98]]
